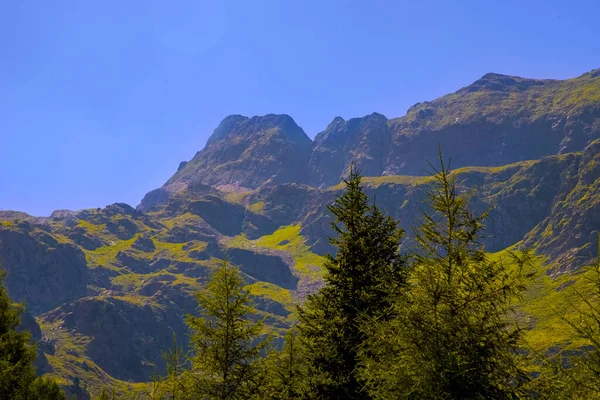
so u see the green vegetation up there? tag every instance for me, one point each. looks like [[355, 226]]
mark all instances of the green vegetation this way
[[366, 270], [273, 292], [450, 338], [288, 239], [551, 98], [17, 374], [226, 361]]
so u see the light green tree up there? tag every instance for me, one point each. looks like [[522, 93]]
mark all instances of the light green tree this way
[[227, 341], [451, 337]]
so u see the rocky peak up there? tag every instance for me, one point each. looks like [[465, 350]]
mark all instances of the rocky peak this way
[[239, 126], [247, 153], [364, 141], [503, 83], [228, 124]]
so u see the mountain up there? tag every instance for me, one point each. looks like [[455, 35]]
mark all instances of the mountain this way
[[108, 287], [497, 120]]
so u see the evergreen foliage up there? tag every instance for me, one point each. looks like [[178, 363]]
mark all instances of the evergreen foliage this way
[[226, 341], [286, 368], [451, 337], [17, 374], [175, 368], [361, 276]]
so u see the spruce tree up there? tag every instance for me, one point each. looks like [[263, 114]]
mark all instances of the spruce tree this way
[[360, 277], [17, 373], [226, 341], [451, 337]]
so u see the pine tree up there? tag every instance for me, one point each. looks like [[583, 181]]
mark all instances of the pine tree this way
[[226, 341], [359, 280], [451, 337], [175, 368], [286, 380], [17, 373]]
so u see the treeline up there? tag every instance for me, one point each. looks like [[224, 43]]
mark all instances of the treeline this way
[[433, 321], [436, 321]]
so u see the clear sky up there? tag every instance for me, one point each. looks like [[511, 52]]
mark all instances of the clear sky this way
[[100, 100]]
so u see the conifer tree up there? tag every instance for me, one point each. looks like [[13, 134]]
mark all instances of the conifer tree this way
[[286, 379], [451, 337], [175, 367], [17, 373], [360, 277], [226, 341]]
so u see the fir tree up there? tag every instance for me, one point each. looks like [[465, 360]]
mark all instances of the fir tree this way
[[17, 374], [360, 277], [451, 337], [226, 341]]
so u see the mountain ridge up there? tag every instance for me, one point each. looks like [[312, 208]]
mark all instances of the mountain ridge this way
[[496, 120], [257, 194]]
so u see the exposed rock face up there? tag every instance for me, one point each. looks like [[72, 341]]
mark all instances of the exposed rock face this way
[[28, 323], [364, 141], [569, 232], [263, 267], [127, 338], [497, 120], [231, 219], [144, 244], [42, 272], [248, 152]]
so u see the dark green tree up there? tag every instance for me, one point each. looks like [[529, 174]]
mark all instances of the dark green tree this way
[[360, 277], [227, 341], [451, 337], [17, 373]]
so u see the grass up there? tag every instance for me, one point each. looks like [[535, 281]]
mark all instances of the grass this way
[[257, 207], [95, 229], [560, 97], [548, 302], [106, 255], [273, 292], [288, 239]]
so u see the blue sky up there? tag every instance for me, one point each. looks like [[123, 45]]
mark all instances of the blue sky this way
[[100, 100]]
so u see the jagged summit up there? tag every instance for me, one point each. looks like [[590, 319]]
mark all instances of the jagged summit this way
[[247, 152], [496, 120]]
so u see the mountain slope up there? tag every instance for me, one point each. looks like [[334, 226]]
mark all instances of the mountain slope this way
[[109, 286]]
